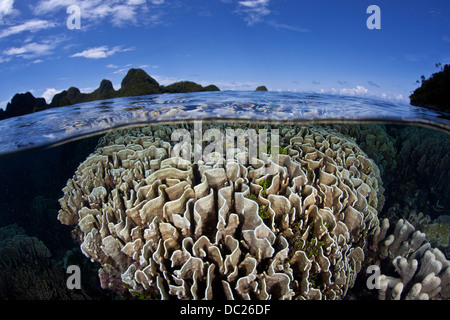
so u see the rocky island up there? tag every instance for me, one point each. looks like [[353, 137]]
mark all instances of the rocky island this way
[[136, 83], [262, 88]]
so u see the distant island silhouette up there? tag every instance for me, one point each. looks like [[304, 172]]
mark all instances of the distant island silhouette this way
[[136, 83], [434, 93], [261, 88]]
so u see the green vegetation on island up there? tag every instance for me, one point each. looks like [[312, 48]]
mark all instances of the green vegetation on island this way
[[187, 86], [261, 88], [136, 83], [434, 93]]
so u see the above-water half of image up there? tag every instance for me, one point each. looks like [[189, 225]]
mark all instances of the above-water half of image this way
[[230, 195]]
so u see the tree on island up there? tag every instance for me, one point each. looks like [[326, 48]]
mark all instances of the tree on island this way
[[434, 93]]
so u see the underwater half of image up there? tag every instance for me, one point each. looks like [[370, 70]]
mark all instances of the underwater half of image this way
[[210, 210]]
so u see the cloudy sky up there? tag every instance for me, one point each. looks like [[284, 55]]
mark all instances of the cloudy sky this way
[[291, 45]]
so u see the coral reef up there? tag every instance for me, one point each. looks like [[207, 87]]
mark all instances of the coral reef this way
[[17, 248], [421, 272], [376, 143], [26, 270], [423, 156], [37, 282], [161, 226]]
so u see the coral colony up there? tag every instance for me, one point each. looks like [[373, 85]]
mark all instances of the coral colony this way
[[239, 223]]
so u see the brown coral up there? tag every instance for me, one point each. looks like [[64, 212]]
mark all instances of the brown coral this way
[[162, 226]]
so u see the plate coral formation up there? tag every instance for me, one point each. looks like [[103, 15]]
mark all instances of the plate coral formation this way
[[299, 226]]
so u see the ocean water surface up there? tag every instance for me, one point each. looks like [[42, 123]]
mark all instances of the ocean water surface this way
[[226, 195]]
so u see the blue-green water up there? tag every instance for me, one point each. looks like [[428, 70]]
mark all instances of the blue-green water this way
[[75, 181]]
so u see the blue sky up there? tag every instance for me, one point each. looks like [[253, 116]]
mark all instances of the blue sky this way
[[289, 45]]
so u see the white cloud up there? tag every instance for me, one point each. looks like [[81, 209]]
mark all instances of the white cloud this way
[[254, 10], [253, 3], [361, 91], [4, 59], [123, 13], [123, 70], [135, 2], [358, 90], [31, 50], [164, 80], [32, 26], [393, 96], [287, 27], [6, 8], [138, 2], [87, 89], [49, 93], [118, 12], [233, 85], [100, 52], [47, 6]]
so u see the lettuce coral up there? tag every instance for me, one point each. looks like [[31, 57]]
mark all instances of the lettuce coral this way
[[163, 227]]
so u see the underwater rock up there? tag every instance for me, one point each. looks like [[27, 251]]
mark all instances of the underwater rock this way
[[230, 228], [421, 272]]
